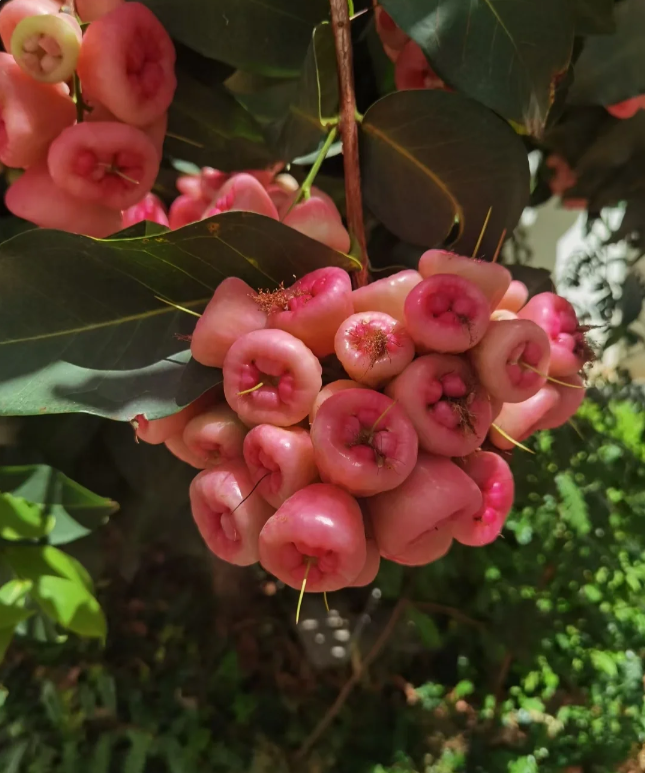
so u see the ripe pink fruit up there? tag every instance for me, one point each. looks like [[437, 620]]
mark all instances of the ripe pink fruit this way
[[215, 437], [47, 46], [446, 313], [500, 315], [32, 114], [178, 448], [155, 131], [149, 209], [387, 295], [515, 297], [363, 442], [111, 163], [316, 219], [373, 347], [570, 399], [312, 308], [368, 573], [231, 313], [564, 177], [317, 531], [556, 316], [242, 193], [14, 11], [35, 197], [495, 480], [413, 524], [446, 403], [628, 108], [412, 70], [283, 459], [228, 515], [91, 10], [127, 62], [330, 389], [502, 354], [210, 183], [191, 185], [491, 278], [185, 210], [157, 431], [392, 37], [521, 420], [290, 375]]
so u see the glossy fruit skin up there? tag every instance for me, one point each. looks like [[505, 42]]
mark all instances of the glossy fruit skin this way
[[14, 11], [242, 193], [323, 522], [157, 431], [363, 442], [520, 420], [413, 523], [91, 10], [149, 210], [330, 389], [228, 514], [515, 297], [214, 437], [570, 399], [129, 41], [387, 295], [272, 355], [426, 391], [316, 219]]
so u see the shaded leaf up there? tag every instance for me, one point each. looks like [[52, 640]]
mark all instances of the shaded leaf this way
[[316, 99], [82, 331], [267, 99], [506, 55], [14, 755], [6, 637], [595, 17], [426, 627], [135, 759], [22, 520], [611, 68], [32, 563], [77, 511], [431, 158], [207, 126], [269, 37], [71, 605]]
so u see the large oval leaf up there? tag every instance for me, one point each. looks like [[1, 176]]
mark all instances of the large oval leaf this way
[[82, 331], [266, 36], [504, 53], [431, 158]]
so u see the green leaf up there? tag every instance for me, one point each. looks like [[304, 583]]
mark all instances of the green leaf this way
[[595, 17], [267, 99], [208, 127], [506, 55], [428, 631], [441, 153], [611, 68], [464, 688], [604, 661], [32, 563], [316, 99], [22, 520], [573, 507], [135, 759], [96, 340], [71, 605], [102, 754], [13, 757], [266, 36], [6, 637], [523, 765], [77, 511]]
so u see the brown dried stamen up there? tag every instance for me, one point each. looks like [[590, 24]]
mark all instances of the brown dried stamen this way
[[372, 341], [461, 406], [271, 301]]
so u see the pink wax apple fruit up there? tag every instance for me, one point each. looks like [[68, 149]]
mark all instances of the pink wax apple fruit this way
[[228, 513], [150, 209], [316, 219], [370, 569], [387, 295], [557, 317], [35, 197], [127, 63], [111, 163], [363, 441], [627, 108], [270, 377], [520, 420], [312, 308], [448, 406], [178, 448], [14, 11], [242, 193], [191, 185], [155, 131], [500, 315], [413, 523], [318, 532], [491, 278], [185, 210], [330, 389], [280, 460], [570, 399], [413, 71], [47, 46], [373, 347], [91, 10], [512, 359], [495, 480], [32, 114], [446, 313], [157, 431], [215, 437], [515, 297], [392, 36], [231, 313]]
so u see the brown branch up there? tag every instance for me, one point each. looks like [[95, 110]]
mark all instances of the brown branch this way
[[349, 132], [355, 678], [442, 609]]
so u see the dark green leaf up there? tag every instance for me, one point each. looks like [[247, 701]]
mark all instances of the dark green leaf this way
[[431, 158], [428, 631], [267, 99], [595, 17], [266, 36], [6, 637], [102, 754], [20, 519], [316, 100], [135, 760], [14, 756], [76, 510], [506, 55], [611, 68], [210, 128], [82, 331]]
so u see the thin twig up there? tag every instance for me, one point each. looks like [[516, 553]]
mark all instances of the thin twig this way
[[349, 133], [354, 679], [442, 609]]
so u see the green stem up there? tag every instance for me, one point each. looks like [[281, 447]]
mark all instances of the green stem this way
[[78, 98], [305, 188]]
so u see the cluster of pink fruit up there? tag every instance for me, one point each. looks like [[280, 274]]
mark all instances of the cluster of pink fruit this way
[[83, 112], [211, 192], [317, 483]]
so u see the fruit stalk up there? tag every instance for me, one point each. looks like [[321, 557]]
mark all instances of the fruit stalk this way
[[349, 133]]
